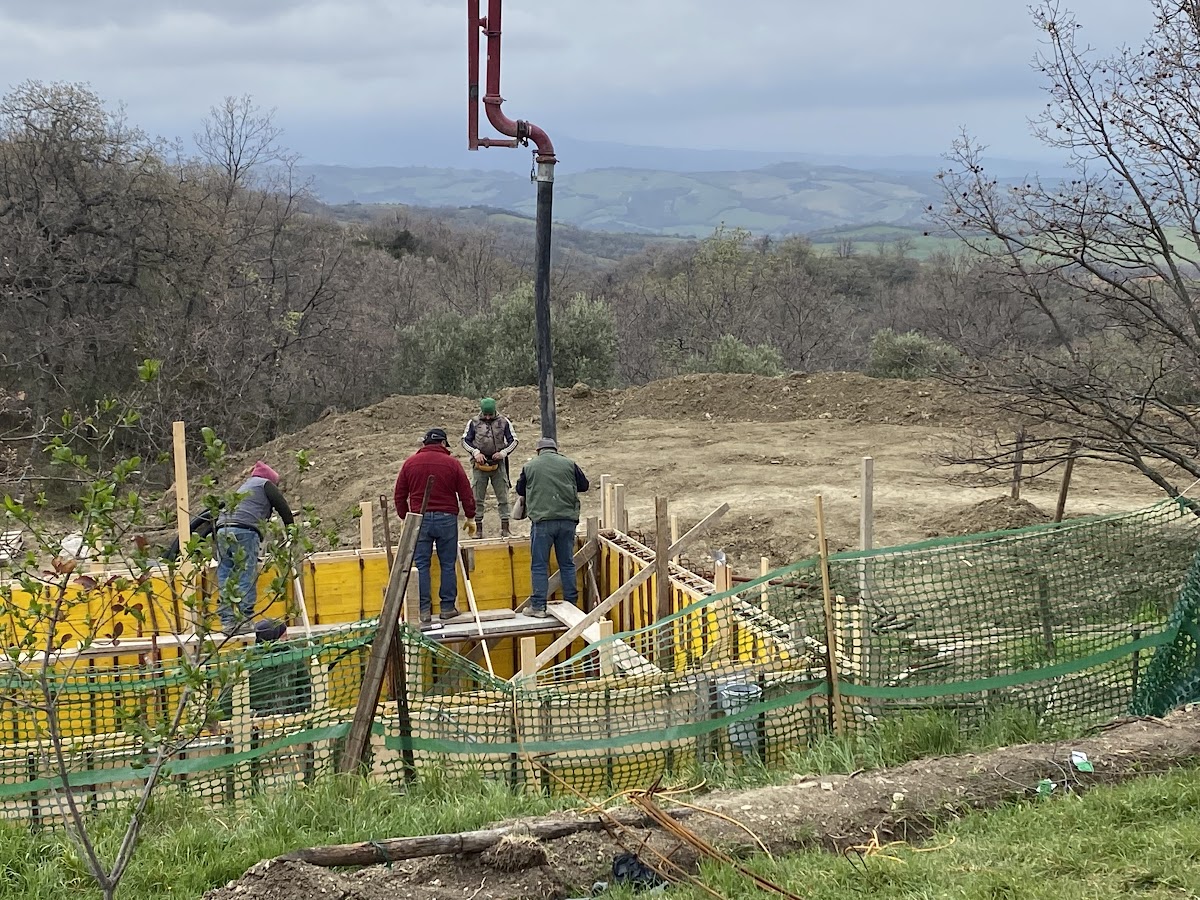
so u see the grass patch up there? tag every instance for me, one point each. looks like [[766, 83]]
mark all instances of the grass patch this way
[[188, 848], [1138, 839]]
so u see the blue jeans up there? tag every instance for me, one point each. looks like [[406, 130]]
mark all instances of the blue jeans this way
[[237, 574], [440, 528], [559, 534]]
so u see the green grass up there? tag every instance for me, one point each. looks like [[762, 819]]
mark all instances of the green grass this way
[[1140, 839], [189, 848]]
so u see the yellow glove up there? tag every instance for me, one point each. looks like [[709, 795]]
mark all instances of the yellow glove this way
[[469, 526]]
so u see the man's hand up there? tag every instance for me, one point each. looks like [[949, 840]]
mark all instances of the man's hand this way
[[479, 457], [469, 527], [497, 457]]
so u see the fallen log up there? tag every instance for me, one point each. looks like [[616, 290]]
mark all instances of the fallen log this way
[[370, 853]]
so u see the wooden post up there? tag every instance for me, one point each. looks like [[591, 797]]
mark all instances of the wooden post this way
[[675, 535], [662, 584], [1018, 462], [619, 519], [358, 739], [866, 522], [529, 654], [764, 595], [831, 648], [607, 667], [183, 527], [387, 528], [605, 501], [182, 501], [366, 526], [1066, 482]]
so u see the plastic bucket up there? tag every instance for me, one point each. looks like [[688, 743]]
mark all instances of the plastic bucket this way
[[735, 697]]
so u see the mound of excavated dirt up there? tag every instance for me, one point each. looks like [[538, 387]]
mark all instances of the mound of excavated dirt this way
[[355, 455], [996, 514], [833, 812]]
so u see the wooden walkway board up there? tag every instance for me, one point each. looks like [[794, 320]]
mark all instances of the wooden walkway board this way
[[464, 628], [624, 657]]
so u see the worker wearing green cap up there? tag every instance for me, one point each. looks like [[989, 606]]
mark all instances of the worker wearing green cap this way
[[489, 438]]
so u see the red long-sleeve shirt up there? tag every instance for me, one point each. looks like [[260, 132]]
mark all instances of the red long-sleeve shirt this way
[[450, 483]]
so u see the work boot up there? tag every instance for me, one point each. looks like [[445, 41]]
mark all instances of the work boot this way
[[538, 612], [426, 616], [479, 528], [448, 614], [504, 532]]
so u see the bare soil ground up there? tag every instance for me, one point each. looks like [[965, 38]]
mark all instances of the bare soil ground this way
[[764, 445], [831, 812]]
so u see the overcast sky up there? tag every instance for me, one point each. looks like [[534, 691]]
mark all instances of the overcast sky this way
[[378, 82]]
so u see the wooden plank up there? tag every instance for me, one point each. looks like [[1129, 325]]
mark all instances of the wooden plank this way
[[462, 572], [628, 588], [620, 654], [366, 526], [357, 740], [514, 626], [582, 557]]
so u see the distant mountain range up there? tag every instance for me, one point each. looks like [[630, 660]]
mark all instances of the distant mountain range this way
[[651, 190]]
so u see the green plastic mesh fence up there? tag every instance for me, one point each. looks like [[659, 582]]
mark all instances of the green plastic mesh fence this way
[[1058, 622], [1173, 676]]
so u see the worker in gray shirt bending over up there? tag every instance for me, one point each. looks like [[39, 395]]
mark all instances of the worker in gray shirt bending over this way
[[551, 484], [239, 533]]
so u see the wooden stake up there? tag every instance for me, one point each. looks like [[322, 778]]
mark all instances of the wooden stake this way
[[366, 527], [605, 501], [565, 640], [764, 596], [1018, 462], [675, 534], [358, 738], [183, 515], [662, 583], [1061, 508], [831, 649], [619, 518]]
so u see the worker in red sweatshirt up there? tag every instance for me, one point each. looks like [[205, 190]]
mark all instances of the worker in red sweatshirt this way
[[439, 527]]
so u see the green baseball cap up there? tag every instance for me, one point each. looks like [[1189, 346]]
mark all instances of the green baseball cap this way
[[487, 406]]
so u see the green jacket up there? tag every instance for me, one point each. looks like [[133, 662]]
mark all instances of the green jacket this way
[[551, 484]]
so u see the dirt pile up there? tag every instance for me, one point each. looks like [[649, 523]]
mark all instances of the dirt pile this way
[[833, 812], [996, 514]]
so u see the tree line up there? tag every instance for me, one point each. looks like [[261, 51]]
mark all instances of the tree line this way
[[259, 308]]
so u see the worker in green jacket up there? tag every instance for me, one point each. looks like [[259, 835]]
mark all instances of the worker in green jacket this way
[[551, 484]]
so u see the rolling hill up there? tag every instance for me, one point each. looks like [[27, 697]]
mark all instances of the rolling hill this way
[[781, 198]]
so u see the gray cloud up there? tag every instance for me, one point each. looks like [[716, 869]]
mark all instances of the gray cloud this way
[[771, 74]]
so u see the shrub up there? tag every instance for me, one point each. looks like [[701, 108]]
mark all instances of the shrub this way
[[909, 355]]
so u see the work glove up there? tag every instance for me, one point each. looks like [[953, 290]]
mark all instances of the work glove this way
[[469, 527]]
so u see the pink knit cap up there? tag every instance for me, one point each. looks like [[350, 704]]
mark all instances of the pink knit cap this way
[[262, 470]]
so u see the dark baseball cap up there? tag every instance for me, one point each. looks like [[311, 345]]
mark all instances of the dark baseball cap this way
[[435, 436]]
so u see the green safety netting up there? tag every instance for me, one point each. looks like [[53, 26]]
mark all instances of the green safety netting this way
[[1071, 624]]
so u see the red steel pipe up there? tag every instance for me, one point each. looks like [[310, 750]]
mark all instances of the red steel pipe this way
[[521, 131]]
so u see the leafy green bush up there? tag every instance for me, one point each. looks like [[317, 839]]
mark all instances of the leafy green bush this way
[[468, 355], [730, 356], [909, 355]]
